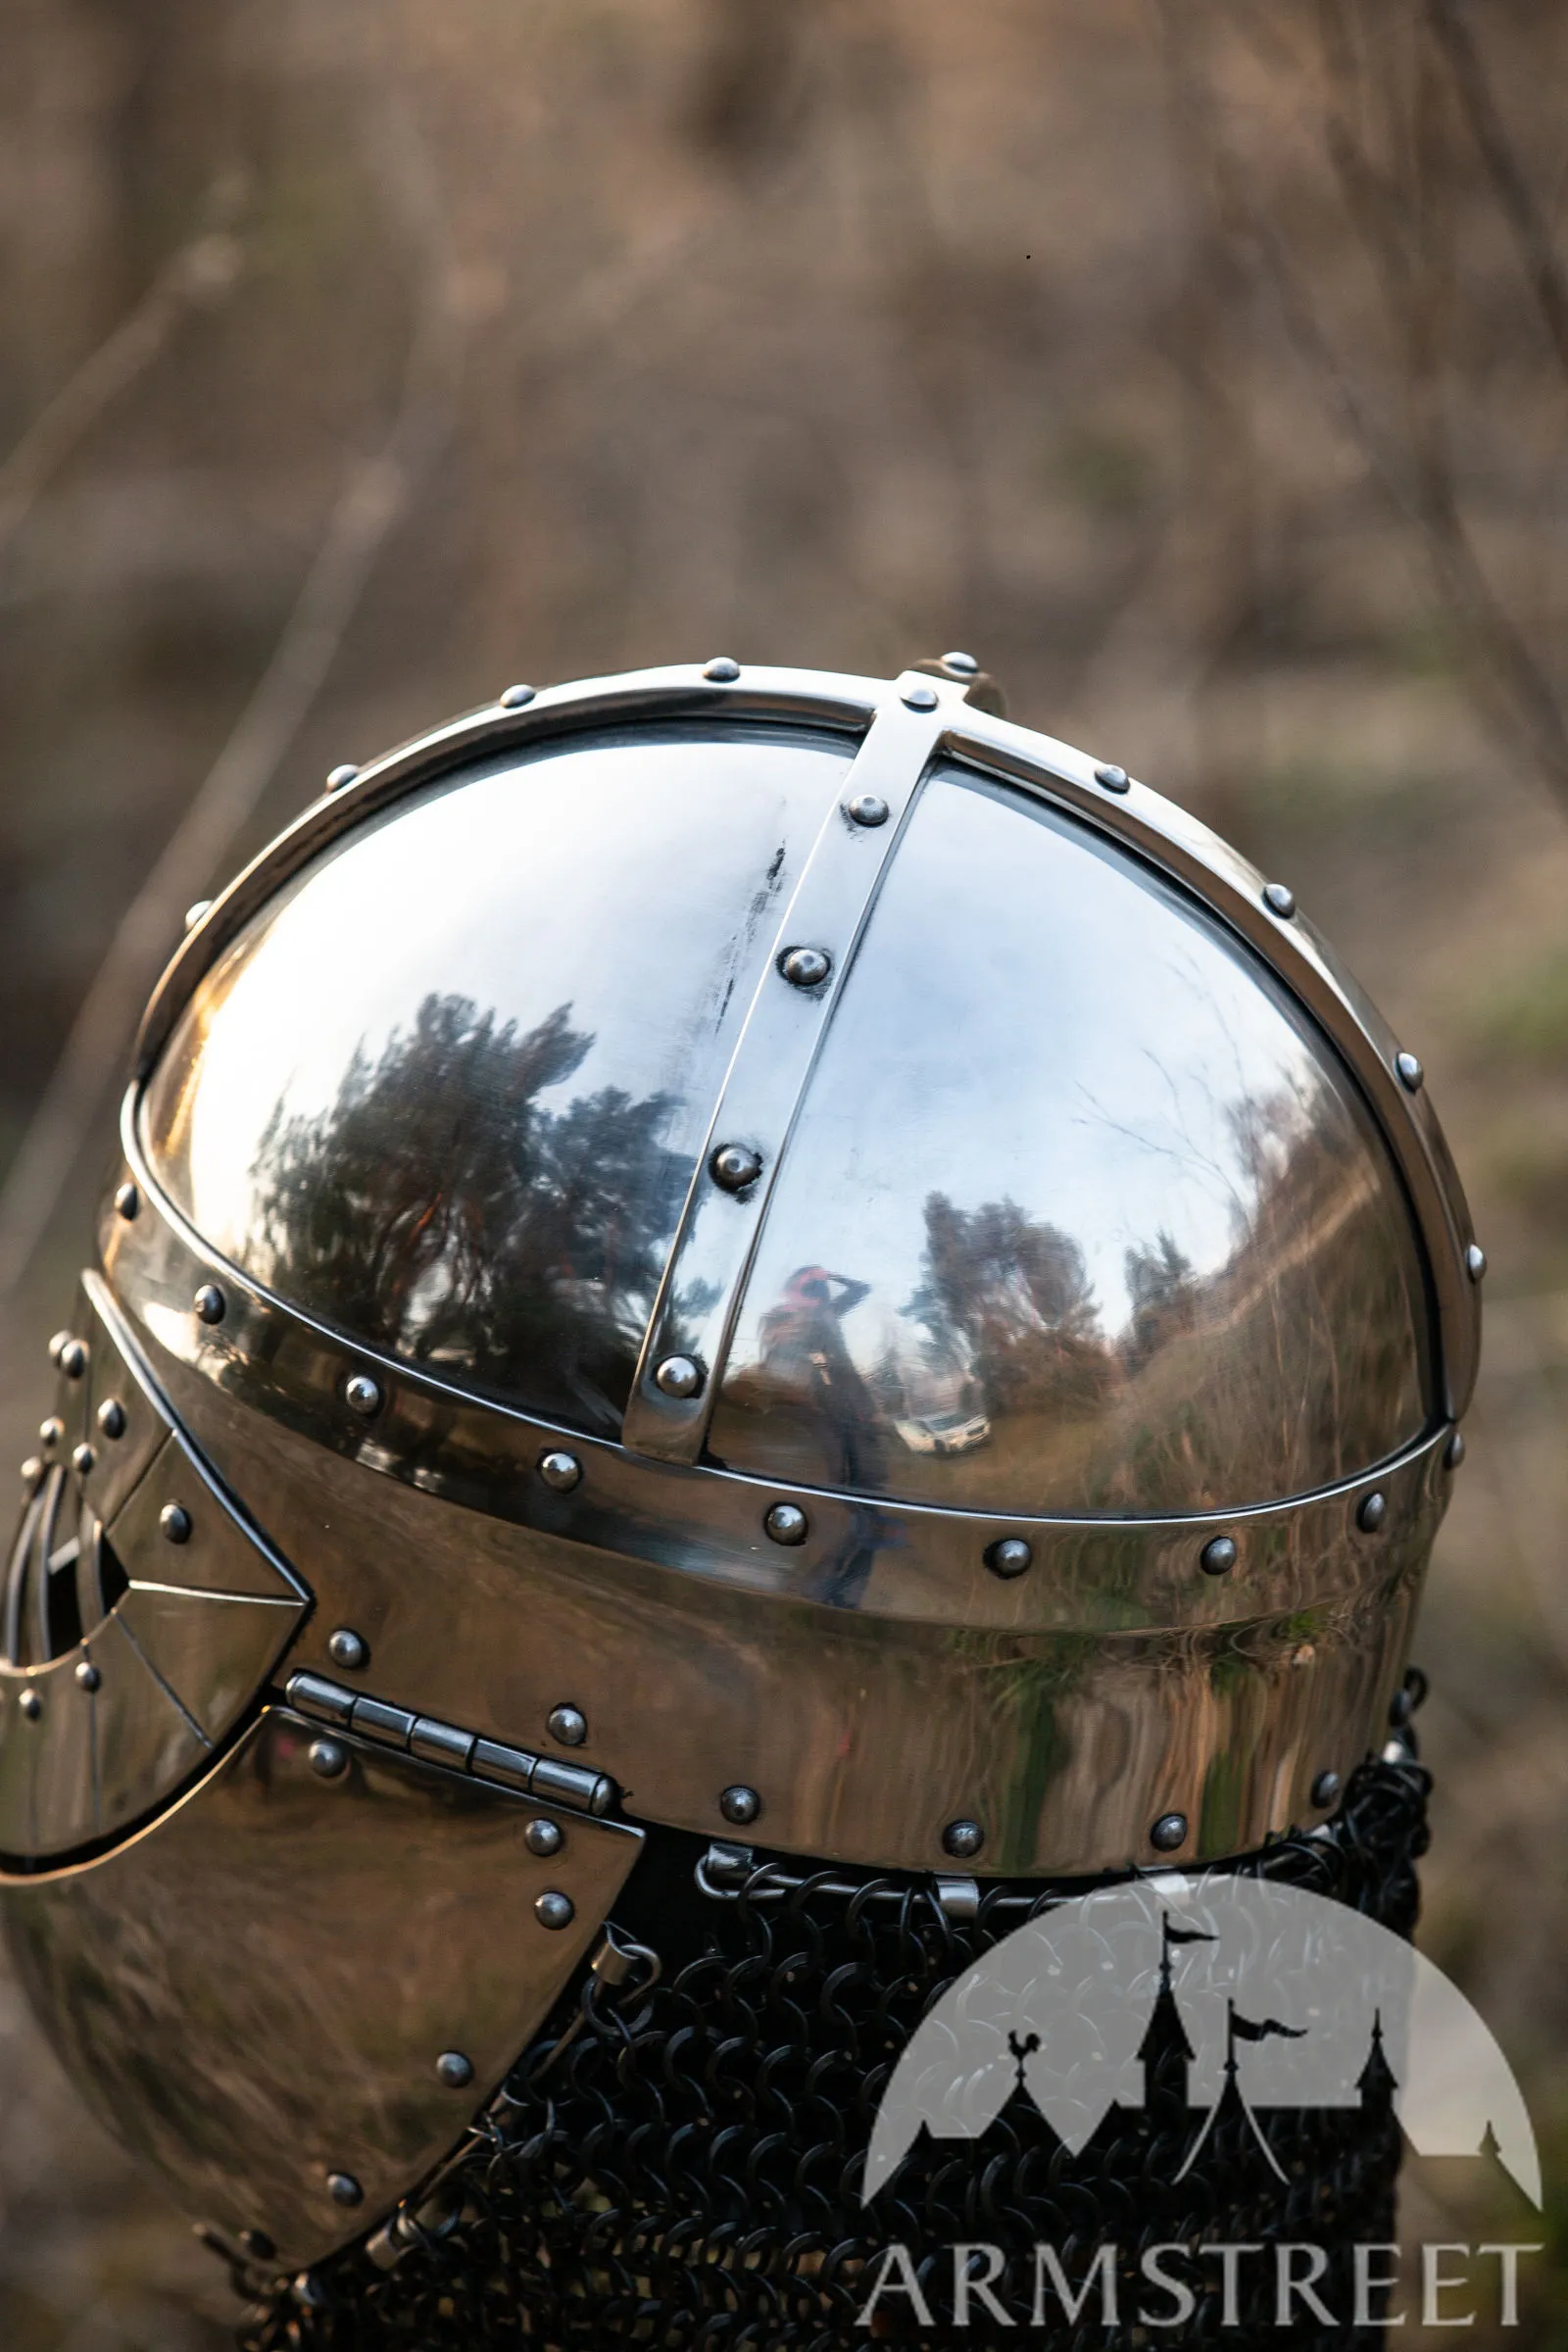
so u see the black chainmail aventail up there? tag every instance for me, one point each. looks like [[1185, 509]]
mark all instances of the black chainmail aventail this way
[[680, 2167]]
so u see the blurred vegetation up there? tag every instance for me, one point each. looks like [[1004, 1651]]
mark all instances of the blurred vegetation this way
[[1201, 365]]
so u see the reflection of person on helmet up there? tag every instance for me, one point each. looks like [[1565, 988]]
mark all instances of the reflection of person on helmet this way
[[803, 1353]]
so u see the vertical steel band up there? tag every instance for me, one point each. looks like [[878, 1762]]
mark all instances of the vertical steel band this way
[[689, 1329]]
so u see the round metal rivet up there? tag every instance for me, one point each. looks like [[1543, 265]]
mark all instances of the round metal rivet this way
[[1475, 1265], [128, 1201], [73, 1358], [194, 912], [544, 1837], [348, 1650], [57, 1347], [553, 1909], [344, 2189], [962, 1839], [32, 1473], [1371, 1512], [918, 698], [1008, 1556], [1325, 1791], [963, 665], [1279, 899], [174, 1520], [735, 1166], [568, 1725], [516, 698], [361, 1394], [1453, 1452], [679, 1376], [82, 1458], [88, 1676], [787, 1523], [804, 967], [1113, 777], [31, 1705], [453, 2070], [1168, 1833], [210, 1303], [328, 1757], [111, 1417], [1411, 1072], [339, 776], [51, 1432], [1219, 1555], [721, 669], [560, 1470], [867, 809], [740, 1804]]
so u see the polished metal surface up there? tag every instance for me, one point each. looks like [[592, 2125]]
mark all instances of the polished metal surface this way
[[126, 1661], [256, 1957], [460, 1123], [1063, 1711], [1082, 1214]]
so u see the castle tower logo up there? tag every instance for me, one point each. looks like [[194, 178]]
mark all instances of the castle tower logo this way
[[1230, 1998]]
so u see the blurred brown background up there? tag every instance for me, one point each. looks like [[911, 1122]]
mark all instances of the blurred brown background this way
[[1202, 369]]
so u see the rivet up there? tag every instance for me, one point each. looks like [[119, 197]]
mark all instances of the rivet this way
[[740, 1804], [734, 1166], [344, 2189], [174, 1520], [918, 698], [1114, 778], [210, 1303], [1168, 1833], [804, 967], [73, 1358], [88, 1676], [82, 1458], [328, 1757], [560, 1470], [721, 669], [1411, 1072], [361, 1394], [1453, 1452], [128, 1201], [867, 809], [1402, 1706], [57, 1347], [32, 1473], [259, 2246], [786, 1523], [1325, 1791], [568, 1725], [195, 911], [1371, 1513], [51, 1432], [111, 1417], [339, 776], [1219, 1555], [1280, 899], [963, 665], [678, 1376], [516, 698], [1008, 1556], [962, 1839], [453, 2070], [1475, 1265], [31, 1705], [544, 1837], [553, 1909], [348, 1650]]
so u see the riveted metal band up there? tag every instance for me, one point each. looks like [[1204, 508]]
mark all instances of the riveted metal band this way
[[705, 1273], [1165, 835]]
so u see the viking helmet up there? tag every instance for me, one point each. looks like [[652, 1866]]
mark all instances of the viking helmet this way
[[732, 1251]]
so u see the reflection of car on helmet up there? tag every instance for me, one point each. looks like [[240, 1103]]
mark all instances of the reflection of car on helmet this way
[[713, 1252]]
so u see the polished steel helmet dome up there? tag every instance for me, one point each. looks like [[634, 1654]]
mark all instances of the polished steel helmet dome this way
[[736, 1251]]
